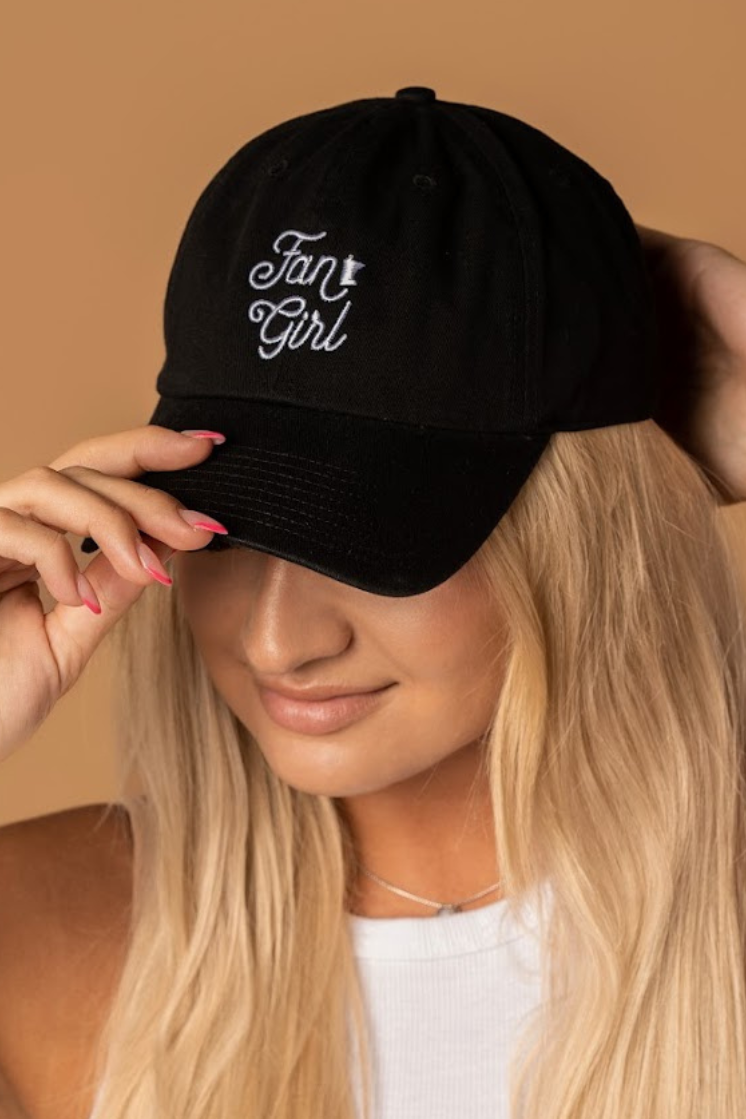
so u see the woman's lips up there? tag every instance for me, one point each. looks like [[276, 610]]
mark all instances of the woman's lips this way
[[319, 716]]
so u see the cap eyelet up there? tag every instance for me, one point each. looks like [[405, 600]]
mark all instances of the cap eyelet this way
[[424, 182], [277, 168]]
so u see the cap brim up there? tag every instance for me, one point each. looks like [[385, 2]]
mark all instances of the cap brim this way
[[391, 508]]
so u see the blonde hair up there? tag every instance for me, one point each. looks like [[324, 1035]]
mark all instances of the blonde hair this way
[[615, 758]]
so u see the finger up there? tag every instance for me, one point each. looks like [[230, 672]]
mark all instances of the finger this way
[[126, 454], [14, 578], [153, 511], [74, 632], [114, 510], [44, 550]]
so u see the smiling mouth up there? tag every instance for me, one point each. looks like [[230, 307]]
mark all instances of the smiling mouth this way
[[320, 716]]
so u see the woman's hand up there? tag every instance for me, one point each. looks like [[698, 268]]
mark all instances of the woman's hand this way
[[90, 489], [700, 295]]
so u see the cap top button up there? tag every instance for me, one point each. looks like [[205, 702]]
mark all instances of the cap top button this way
[[416, 93]]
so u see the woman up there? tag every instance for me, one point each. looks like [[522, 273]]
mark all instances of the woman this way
[[552, 758]]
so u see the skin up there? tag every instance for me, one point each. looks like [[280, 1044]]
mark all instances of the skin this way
[[409, 774]]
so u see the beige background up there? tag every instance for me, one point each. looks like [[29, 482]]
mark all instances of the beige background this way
[[115, 117]]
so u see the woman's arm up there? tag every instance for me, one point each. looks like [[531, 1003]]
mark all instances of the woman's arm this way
[[700, 294]]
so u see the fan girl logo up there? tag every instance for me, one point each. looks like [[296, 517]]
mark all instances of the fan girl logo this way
[[289, 322]]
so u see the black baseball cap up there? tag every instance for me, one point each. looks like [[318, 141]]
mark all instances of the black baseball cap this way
[[388, 306]]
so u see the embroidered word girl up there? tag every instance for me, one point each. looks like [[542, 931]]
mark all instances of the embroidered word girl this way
[[289, 322]]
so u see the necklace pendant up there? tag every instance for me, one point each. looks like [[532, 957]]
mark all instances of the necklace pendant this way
[[448, 909]]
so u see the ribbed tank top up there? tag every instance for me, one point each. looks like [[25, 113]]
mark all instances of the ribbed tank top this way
[[446, 997]]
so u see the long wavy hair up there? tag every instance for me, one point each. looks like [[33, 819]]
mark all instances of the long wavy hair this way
[[615, 760]]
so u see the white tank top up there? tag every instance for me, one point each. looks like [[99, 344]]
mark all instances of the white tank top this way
[[446, 998]]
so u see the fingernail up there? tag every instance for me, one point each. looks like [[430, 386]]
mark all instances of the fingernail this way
[[152, 564], [87, 593], [198, 433], [200, 520]]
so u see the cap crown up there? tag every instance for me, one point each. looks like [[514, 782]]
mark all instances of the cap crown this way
[[419, 261]]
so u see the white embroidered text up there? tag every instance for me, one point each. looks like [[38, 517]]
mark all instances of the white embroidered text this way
[[289, 322]]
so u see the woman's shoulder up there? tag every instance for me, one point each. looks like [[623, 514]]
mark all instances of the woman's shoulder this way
[[62, 832], [65, 867], [65, 897]]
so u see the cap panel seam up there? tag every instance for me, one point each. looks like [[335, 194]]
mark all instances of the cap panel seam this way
[[479, 136]]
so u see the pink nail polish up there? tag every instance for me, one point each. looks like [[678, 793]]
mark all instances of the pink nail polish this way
[[152, 564], [87, 593], [198, 433], [166, 580], [201, 520]]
